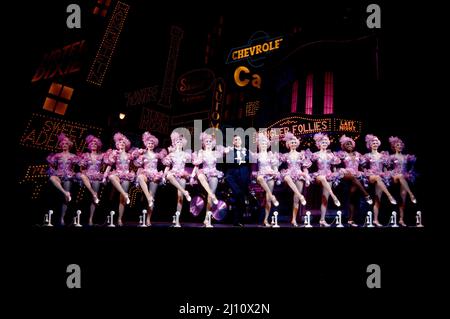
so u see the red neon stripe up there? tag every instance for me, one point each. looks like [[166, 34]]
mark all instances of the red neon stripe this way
[[294, 97]]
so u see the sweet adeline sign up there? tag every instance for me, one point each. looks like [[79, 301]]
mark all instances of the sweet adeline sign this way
[[42, 133]]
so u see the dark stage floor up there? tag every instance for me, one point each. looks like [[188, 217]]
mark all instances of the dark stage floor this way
[[222, 226]]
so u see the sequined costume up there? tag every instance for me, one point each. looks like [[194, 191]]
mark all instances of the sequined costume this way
[[121, 163], [148, 164], [297, 162], [324, 161], [62, 165], [403, 164], [267, 165], [208, 161], [352, 163], [91, 165], [177, 160], [376, 165]]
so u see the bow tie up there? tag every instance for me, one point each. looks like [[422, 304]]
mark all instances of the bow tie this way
[[239, 157]]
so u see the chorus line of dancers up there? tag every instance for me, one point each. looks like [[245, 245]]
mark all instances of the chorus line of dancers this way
[[113, 166]]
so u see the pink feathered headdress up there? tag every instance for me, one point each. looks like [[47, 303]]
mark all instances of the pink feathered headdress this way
[[120, 137], [175, 137], [289, 137], [63, 138], [318, 137], [204, 136], [262, 137], [344, 139], [92, 138], [147, 137], [369, 139], [394, 140]]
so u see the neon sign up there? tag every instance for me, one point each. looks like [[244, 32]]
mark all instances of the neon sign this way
[[259, 46], [305, 127], [37, 176], [195, 82], [217, 103], [142, 96], [103, 58], [60, 62], [154, 121], [256, 78], [42, 133]]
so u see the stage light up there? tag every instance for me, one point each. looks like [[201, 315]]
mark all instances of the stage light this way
[[122, 116], [107, 46]]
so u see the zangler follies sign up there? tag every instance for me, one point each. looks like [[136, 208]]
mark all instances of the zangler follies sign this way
[[305, 127]]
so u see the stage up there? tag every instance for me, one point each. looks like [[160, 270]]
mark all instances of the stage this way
[[163, 225], [134, 67]]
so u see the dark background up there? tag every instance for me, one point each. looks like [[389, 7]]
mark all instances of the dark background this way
[[295, 270]]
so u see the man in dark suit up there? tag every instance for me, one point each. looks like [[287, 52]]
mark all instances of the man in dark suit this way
[[238, 177]]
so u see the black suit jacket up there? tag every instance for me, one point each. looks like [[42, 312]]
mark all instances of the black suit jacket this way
[[239, 172], [232, 161]]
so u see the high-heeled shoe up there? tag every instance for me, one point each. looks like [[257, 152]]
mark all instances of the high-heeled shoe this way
[[68, 197], [302, 200], [402, 223], [208, 224], [377, 223], [323, 223], [294, 224], [413, 199], [267, 224], [352, 223], [214, 199], [275, 201], [96, 200], [127, 199], [336, 201], [392, 200], [151, 203]]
